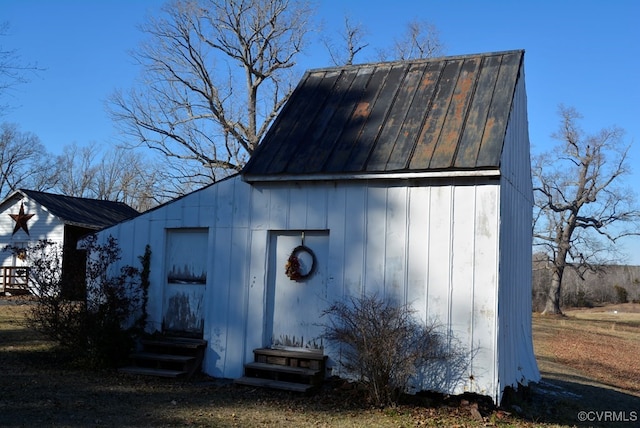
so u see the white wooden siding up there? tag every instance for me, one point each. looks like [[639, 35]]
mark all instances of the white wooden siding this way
[[43, 225], [515, 343], [430, 244]]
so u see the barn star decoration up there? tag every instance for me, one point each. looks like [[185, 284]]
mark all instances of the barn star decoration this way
[[21, 220]]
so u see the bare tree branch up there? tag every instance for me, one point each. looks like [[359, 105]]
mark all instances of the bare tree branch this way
[[420, 40], [118, 174], [23, 161], [216, 73], [581, 211], [352, 43], [13, 71]]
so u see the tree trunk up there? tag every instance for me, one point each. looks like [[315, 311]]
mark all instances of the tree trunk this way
[[563, 241], [552, 307]]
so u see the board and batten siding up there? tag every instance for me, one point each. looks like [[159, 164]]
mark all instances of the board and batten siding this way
[[43, 225], [432, 244], [515, 343]]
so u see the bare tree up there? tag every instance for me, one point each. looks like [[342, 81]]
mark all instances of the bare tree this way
[[78, 170], [351, 44], [13, 71], [23, 161], [117, 174], [581, 208], [124, 175], [420, 40], [216, 73]]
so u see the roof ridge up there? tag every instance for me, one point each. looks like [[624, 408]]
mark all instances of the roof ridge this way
[[413, 61], [59, 195]]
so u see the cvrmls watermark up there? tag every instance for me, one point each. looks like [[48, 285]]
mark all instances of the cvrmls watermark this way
[[607, 416]]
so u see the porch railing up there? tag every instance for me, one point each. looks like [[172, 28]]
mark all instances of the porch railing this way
[[14, 278]]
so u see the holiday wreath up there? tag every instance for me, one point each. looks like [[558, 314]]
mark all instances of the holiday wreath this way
[[293, 268]]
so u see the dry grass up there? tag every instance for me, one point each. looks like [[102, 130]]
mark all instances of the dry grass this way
[[601, 346], [592, 355], [589, 362]]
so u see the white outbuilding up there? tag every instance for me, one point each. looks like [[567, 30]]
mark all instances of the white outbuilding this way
[[30, 216], [409, 180]]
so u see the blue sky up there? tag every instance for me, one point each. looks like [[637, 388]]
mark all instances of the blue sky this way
[[585, 54]]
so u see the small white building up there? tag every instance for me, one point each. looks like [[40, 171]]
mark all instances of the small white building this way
[[29, 216], [410, 180]]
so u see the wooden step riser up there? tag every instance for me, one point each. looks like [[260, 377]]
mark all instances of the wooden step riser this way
[[301, 371], [290, 362], [175, 343], [284, 369], [164, 365], [273, 384], [173, 357], [308, 360], [168, 358], [284, 377], [290, 354], [144, 371]]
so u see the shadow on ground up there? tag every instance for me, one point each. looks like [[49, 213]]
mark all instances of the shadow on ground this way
[[576, 401]]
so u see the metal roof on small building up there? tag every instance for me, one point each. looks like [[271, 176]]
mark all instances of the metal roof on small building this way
[[84, 212], [444, 114]]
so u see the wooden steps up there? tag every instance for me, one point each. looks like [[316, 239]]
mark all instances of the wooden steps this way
[[296, 371], [167, 357], [273, 384], [148, 371]]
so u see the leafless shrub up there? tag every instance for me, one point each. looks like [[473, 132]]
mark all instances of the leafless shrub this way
[[98, 330], [383, 345], [56, 317]]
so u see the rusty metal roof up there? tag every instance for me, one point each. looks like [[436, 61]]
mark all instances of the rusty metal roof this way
[[448, 113]]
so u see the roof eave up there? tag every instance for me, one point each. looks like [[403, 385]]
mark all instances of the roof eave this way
[[484, 173], [82, 225]]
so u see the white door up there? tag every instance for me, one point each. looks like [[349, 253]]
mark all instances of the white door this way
[[185, 281], [294, 306]]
